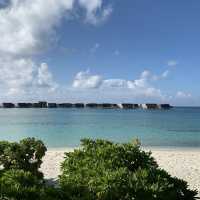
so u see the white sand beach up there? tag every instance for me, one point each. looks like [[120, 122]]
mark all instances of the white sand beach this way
[[182, 163]]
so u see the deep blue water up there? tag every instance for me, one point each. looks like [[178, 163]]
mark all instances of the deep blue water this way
[[178, 127]]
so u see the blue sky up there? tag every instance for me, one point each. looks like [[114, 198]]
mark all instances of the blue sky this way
[[98, 50]]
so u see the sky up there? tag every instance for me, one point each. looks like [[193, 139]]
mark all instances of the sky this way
[[137, 51]]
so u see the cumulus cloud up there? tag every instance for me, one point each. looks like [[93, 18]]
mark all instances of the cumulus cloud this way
[[84, 80], [24, 25], [45, 79], [16, 74], [138, 87], [21, 76]]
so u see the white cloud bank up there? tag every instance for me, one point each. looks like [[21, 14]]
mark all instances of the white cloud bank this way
[[93, 87], [139, 87], [85, 80]]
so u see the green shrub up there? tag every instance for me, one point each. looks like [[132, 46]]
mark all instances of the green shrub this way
[[102, 170], [52, 193], [20, 178], [26, 155], [19, 185]]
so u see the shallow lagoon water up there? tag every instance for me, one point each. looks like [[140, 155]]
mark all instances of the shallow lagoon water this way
[[64, 127]]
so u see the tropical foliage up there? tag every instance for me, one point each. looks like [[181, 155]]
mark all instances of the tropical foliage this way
[[98, 170], [102, 170], [26, 155]]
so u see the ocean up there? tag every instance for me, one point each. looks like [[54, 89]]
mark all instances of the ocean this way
[[64, 127]]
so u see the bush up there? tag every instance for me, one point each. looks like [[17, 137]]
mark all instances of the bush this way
[[52, 193], [19, 185], [26, 155], [20, 178], [102, 170]]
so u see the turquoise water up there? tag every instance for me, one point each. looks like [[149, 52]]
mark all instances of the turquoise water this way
[[178, 127]]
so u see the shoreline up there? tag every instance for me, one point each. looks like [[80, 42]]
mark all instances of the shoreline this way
[[182, 163]]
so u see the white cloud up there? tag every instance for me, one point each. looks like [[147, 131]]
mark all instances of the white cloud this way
[[95, 11], [114, 83], [84, 80], [172, 63], [181, 94], [22, 76], [26, 26], [140, 87], [16, 74], [45, 79]]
